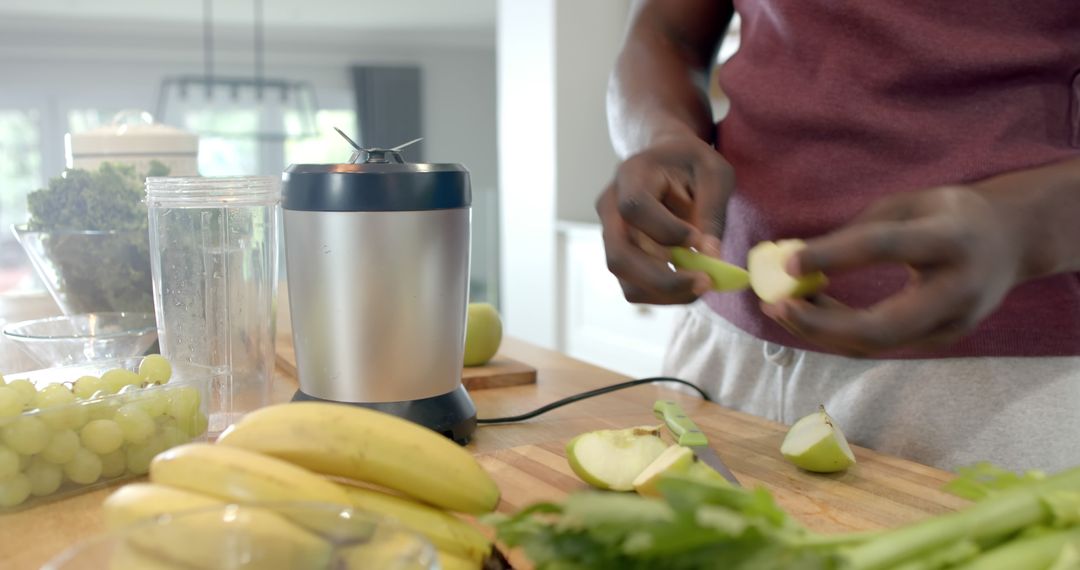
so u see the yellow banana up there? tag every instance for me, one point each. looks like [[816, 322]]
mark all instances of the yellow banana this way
[[447, 532], [139, 501], [235, 474], [249, 538], [388, 549], [370, 446], [448, 561], [126, 557]]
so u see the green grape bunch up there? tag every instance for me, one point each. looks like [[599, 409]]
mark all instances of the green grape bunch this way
[[66, 436]]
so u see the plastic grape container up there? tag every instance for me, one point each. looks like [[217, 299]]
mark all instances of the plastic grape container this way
[[67, 430], [256, 535]]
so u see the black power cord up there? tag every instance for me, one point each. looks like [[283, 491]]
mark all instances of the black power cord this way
[[586, 395]]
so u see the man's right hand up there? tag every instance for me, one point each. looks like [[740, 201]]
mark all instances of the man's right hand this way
[[673, 193]]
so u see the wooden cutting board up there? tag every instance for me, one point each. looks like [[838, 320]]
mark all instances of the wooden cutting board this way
[[878, 492], [501, 372]]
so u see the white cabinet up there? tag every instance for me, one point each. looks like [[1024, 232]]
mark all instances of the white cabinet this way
[[597, 324]]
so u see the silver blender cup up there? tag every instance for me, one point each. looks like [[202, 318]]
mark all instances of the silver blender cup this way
[[377, 256]]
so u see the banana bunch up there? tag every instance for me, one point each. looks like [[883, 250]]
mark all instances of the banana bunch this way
[[309, 453]]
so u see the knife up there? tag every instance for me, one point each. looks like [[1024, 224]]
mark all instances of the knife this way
[[688, 434]]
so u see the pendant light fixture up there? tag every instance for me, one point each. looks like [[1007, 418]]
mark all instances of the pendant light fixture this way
[[259, 107]]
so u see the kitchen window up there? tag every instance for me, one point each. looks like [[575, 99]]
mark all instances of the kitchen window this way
[[226, 156], [20, 171], [82, 120], [326, 148], [241, 155]]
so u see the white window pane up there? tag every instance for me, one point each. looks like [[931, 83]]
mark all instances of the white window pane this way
[[328, 147], [20, 174], [82, 120], [225, 156], [228, 156], [237, 120]]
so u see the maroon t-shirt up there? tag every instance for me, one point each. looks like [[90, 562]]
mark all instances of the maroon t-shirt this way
[[837, 104]]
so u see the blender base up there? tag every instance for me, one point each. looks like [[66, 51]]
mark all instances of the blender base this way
[[451, 414]]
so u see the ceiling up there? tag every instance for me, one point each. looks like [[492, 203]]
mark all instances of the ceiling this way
[[383, 15]]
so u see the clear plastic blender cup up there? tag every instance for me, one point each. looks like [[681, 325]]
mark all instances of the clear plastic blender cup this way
[[214, 258]]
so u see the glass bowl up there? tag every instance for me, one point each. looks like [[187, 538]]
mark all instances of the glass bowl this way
[[75, 339], [263, 536], [92, 271]]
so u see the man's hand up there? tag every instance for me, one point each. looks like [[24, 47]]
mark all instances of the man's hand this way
[[672, 193], [965, 252], [672, 186]]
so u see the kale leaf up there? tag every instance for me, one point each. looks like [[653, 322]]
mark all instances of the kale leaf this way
[[105, 271]]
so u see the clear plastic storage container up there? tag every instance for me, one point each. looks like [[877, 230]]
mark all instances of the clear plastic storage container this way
[[61, 450], [214, 258], [265, 536]]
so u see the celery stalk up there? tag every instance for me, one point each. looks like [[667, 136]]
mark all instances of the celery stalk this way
[[947, 557], [985, 523], [1035, 553], [830, 541]]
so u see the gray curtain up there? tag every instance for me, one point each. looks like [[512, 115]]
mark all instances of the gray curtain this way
[[389, 108]]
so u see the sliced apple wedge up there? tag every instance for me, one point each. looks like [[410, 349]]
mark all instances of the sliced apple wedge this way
[[815, 443], [613, 458], [768, 278], [703, 472], [725, 276], [675, 459]]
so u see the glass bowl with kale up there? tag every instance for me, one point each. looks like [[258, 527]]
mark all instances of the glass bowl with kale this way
[[88, 239]]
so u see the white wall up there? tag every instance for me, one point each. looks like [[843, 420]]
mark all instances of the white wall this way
[[459, 107], [460, 126], [526, 114], [588, 37], [554, 58], [352, 15]]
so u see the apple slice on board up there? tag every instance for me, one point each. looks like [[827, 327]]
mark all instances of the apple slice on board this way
[[768, 278], [613, 458], [815, 443], [675, 459]]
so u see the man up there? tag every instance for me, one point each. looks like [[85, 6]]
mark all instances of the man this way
[[929, 154]]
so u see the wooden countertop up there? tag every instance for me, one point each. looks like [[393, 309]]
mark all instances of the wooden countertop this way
[[526, 459]]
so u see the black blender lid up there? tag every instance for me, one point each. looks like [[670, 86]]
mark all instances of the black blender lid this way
[[375, 180]]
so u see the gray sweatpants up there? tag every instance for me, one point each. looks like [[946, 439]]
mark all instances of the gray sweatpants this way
[[1019, 413]]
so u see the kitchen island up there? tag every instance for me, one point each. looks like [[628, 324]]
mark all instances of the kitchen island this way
[[527, 460]]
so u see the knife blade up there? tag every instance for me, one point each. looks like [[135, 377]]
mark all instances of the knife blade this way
[[688, 434]]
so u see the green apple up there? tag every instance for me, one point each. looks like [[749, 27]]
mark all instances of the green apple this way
[[815, 443], [675, 459], [771, 281], [483, 334], [613, 458], [725, 276]]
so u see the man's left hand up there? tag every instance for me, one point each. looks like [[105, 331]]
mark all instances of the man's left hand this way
[[964, 257]]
